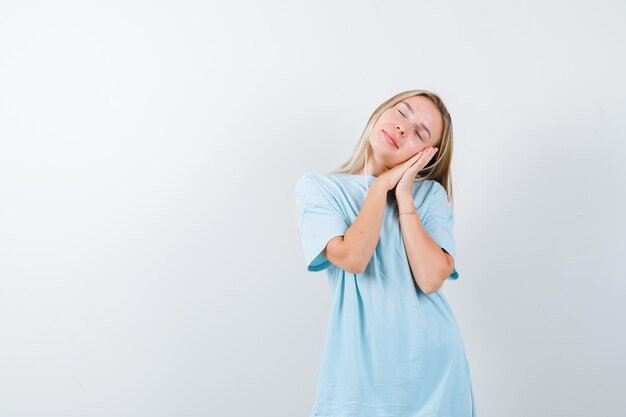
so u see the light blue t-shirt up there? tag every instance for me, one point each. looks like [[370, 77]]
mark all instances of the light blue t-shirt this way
[[391, 350]]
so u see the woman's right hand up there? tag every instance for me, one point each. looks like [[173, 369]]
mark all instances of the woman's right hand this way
[[389, 179]]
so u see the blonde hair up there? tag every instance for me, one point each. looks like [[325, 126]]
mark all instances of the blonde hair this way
[[437, 169]]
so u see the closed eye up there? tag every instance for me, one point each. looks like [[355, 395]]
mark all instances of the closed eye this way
[[418, 135]]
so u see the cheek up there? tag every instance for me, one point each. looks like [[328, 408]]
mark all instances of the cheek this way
[[414, 149], [383, 120]]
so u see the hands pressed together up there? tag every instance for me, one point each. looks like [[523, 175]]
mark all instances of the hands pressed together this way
[[403, 175]]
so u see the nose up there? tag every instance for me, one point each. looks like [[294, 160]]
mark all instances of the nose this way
[[400, 130]]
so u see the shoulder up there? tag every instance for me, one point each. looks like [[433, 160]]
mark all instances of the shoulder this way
[[308, 181], [433, 189], [312, 184], [432, 186], [427, 190]]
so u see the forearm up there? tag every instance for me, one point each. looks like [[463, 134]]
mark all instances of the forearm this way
[[362, 236], [427, 261]]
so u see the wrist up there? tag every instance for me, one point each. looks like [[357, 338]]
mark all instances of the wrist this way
[[405, 201], [406, 208], [379, 186]]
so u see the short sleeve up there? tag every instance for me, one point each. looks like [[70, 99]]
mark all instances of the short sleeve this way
[[439, 223], [319, 220]]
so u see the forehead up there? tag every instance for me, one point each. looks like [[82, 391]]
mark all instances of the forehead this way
[[423, 105]]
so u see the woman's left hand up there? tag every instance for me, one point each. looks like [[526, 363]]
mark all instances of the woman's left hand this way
[[404, 188]]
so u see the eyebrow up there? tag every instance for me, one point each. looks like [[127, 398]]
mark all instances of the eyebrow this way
[[412, 112]]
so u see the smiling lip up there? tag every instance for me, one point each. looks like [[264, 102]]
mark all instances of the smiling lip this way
[[389, 137]]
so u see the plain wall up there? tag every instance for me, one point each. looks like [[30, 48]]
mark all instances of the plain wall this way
[[150, 262]]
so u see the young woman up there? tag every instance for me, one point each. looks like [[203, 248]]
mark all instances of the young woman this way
[[393, 347]]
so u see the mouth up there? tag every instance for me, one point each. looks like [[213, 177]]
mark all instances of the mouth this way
[[391, 139]]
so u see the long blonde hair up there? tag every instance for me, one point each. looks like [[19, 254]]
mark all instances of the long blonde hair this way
[[437, 169]]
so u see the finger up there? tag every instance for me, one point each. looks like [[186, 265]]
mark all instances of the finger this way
[[416, 166], [421, 162], [409, 167], [428, 154], [423, 156], [414, 158]]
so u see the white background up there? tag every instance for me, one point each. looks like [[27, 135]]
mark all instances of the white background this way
[[150, 263]]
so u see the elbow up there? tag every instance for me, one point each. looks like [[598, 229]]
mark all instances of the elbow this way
[[433, 285], [349, 259], [431, 289], [337, 253], [355, 264]]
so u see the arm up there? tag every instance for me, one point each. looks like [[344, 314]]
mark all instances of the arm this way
[[353, 251], [430, 264]]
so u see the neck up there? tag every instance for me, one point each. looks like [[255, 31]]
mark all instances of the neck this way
[[372, 167]]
